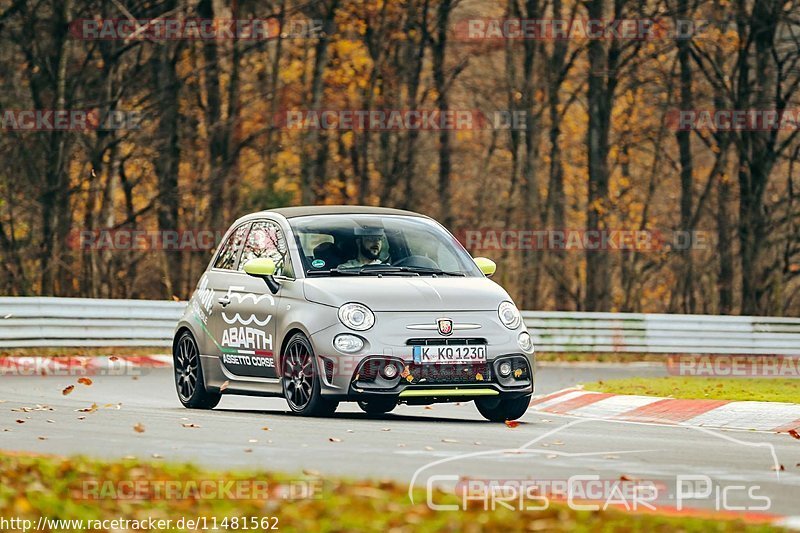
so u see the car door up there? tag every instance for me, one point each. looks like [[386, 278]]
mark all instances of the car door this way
[[249, 335], [205, 303]]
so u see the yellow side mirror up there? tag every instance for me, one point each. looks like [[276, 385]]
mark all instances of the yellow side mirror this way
[[487, 266], [260, 267]]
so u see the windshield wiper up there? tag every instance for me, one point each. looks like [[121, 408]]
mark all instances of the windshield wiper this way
[[333, 272], [431, 271], [367, 270]]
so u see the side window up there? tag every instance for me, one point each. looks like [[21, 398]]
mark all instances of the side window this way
[[266, 240], [227, 255]]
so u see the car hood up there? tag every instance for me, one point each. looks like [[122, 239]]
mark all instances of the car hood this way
[[396, 293]]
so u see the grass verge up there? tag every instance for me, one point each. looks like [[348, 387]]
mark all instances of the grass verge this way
[[705, 388], [54, 487]]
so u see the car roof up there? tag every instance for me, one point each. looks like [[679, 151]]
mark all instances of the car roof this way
[[302, 211]]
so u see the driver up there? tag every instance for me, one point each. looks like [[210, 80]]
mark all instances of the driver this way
[[369, 243]]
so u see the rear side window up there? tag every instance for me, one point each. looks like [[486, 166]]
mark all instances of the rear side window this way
[[230, 250], [266, 240]]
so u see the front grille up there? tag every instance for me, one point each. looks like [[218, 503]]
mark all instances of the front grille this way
[[455, 374], [446, 342]]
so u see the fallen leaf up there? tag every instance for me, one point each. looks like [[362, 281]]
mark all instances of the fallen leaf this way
[[113, 358], [517, 372], [429, 448], [429, 407], [20, 421], [157, 456], [512, 423], [139, 427], [450, 441], [248, 450], [190, 425], [479, 377], [778, 468], [265, 428], [625, 477], [794, 433], [386, 429], [409, 378], [477, 443], [51, 421], [42, 438], [81, 418], [91, 409], [224, 386], [334, 439], [85, 381], [310, 472], [68, 389]]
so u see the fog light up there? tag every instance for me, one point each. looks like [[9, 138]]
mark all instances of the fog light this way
[[390, 371], [505, 369], [525, 342], [348, 343]]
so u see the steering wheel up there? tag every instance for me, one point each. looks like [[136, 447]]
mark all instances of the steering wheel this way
[[419, 261]]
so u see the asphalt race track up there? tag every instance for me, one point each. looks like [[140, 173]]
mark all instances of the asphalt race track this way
[[403, 444]]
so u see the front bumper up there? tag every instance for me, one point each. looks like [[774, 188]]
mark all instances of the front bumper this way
[[352, 377]]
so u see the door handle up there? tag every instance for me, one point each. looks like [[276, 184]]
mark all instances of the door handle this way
[[224, 301]]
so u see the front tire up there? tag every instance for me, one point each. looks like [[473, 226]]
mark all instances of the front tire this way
[[301, 383], [500, 410], [189, 382]]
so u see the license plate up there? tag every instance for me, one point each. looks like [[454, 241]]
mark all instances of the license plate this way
[[449, 354]]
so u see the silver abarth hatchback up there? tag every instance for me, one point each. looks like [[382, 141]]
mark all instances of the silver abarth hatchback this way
[[342, 303]]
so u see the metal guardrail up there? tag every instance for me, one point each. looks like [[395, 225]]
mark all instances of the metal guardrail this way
[[46, 322], [52, 322], [662, 333]]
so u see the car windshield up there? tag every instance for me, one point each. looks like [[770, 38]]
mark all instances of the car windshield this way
[[333, 245]]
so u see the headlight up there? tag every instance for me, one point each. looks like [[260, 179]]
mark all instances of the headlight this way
[[509, 315], [356, 316], [525, 342], [348, 343]]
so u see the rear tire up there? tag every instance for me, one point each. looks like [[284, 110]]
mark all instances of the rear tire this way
[[500, 410], [301, 382], [189, 382], [377, 407]]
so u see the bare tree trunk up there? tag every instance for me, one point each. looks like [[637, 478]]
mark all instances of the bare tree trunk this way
[[439, 48], [685, 287], [600, 97], [315, 142], [166, 86]]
